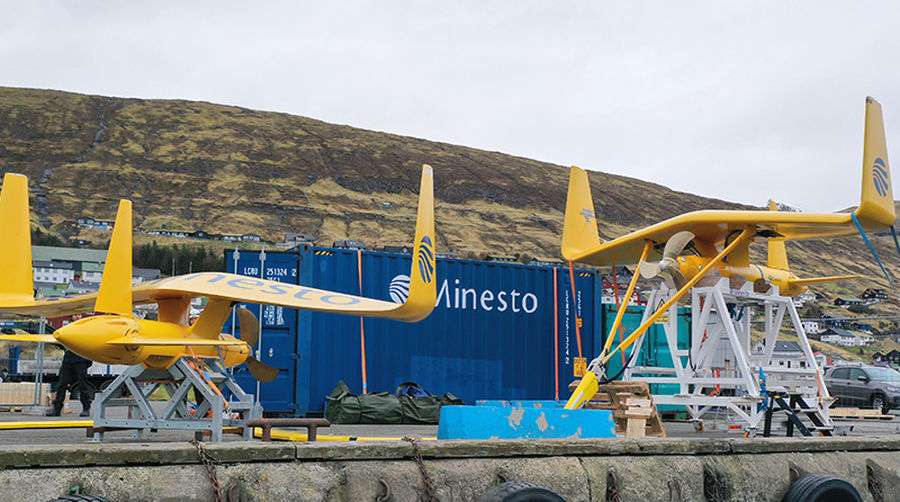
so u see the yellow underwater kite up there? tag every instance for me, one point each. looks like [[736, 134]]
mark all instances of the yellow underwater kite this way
[[720, 241], [119, 338]]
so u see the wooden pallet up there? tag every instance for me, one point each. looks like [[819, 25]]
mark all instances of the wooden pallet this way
[[632, 406], [858, 413]]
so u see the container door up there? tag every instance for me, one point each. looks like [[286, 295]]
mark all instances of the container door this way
[[277, 343]]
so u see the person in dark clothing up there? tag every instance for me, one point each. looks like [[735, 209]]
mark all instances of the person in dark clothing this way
[[73, 372]]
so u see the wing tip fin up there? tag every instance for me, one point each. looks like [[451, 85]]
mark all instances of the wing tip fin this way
[[580, 223], [17, 286], [876, 208], [423, 273]]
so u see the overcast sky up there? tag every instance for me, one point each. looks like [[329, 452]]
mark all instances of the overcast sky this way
[[741, 101]]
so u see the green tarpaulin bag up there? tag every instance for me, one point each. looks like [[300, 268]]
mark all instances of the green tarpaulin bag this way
[[342, 406], [345, 407], [379, 408], [420, 410]]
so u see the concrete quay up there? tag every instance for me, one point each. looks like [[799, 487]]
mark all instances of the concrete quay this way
[[644, 470]]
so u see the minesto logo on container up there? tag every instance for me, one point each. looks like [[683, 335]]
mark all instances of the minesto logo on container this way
[[469, 298]]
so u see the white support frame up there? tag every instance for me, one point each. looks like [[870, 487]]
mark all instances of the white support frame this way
[[738, 388]]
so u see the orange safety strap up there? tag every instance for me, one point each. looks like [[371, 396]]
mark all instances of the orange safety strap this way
[[575, 306], [616, 289], [362, 328], [195, 364], [556, 332]]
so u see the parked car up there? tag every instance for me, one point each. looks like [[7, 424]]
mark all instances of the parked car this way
[[865, 386]]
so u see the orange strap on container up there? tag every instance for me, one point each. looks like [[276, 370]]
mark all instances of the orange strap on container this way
[[556, 333], [575, 306], [362, 328]]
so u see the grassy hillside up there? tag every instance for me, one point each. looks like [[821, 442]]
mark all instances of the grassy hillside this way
[[193, 165]]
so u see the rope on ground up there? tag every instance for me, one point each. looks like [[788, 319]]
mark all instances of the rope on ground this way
[[209, 463], [430, 493], [874, 484], [612, 487], [675, 491], [385, 496]]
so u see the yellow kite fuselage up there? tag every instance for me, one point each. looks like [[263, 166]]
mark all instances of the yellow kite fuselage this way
[[91, 338], [690, 265]]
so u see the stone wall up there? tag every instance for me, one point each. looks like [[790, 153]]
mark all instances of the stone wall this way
[[643, 470]]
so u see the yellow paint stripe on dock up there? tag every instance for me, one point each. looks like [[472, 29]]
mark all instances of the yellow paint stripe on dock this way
[[45, 424], [280, 435]]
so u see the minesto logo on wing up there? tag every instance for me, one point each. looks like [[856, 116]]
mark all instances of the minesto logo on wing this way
[[426, 259], [463, 298], [880, 176], [588, 215]]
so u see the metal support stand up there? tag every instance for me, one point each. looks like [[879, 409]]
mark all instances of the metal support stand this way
[[211, 412], [720, 371]]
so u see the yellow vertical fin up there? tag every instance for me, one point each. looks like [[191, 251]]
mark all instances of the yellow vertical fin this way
[[423, 274], [114, 296], [16, 273], [876, 206], [777, 250], [213, 317], [580, 225]]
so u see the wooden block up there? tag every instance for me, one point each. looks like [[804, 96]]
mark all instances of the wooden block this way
[[636, 428], [639, 412], [639, 402]]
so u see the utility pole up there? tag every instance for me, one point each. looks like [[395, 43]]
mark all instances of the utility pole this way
[[235, 255], [262, 275]]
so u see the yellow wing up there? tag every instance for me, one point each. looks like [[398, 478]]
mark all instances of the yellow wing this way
[[712, 228], [143, 340], [420, 303], [29, 338], [831, 278]]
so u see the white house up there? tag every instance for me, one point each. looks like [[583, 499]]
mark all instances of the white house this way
[[803, 298], [56, 272], [812, 327], [846, 338], [787, 354]]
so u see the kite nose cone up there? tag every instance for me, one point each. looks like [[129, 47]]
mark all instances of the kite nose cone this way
[[87, 337]]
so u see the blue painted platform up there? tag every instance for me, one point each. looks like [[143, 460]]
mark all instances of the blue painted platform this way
[[524, 422], [520, 404]]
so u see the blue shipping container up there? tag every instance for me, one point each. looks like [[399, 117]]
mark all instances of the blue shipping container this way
[[654, 349], [491, 335]]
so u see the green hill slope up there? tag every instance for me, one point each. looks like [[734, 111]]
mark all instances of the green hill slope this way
[[193, 165]]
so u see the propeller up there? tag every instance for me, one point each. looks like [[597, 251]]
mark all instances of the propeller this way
[[250, 334], [674, 246]]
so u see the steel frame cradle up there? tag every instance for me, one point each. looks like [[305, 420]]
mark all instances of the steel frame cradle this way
[[721, 314], [134, 386]]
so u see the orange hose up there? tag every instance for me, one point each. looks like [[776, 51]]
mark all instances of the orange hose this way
[[362, 328]]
